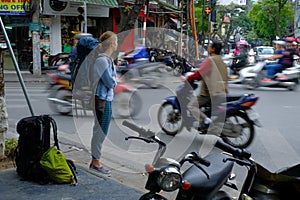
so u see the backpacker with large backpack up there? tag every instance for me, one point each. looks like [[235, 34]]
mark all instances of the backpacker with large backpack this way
[[81, 68], [80, 61], [80, 71]]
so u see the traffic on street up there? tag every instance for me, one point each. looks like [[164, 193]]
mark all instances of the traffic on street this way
[[275, 144], [155, 99]]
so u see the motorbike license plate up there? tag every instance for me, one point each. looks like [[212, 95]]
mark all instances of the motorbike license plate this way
[[254, 116]]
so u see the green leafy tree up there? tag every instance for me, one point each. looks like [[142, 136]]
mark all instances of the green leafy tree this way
[[270, 18]]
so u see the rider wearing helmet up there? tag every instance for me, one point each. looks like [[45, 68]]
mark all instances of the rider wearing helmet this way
[[285, 58]]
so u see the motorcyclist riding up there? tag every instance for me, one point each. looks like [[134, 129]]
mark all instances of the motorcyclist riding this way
[[240, 55], [285, 56], [214, 87]]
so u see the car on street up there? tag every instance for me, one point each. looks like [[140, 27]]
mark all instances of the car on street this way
[[263, 52]]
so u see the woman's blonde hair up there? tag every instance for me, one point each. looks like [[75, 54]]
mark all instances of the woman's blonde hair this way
[[106, 39]]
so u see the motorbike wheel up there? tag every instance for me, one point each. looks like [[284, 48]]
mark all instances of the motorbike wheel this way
[[295, 86], [63, 95], [250, 84], [170, 120], [247, 133], [127, 104]]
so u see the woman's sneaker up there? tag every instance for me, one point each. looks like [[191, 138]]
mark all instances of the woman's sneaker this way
[[101, 169]]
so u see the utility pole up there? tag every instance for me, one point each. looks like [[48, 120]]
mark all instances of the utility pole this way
[[203, 28], [194, 30], [209, 23], [35, 27]]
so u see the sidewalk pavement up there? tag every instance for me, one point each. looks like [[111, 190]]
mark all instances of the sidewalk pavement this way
[[12, 76], [91, 185]]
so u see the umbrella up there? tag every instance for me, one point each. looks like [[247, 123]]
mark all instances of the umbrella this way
[[243, 42]]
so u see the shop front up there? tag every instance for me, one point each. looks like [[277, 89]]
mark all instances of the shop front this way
[[17, 27], [66, 19], [59, 22]]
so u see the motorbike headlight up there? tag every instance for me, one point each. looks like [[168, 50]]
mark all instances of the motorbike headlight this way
[[169, 178]]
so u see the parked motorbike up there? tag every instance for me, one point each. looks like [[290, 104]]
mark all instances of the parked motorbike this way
[[164, 56], [260, 183], [59, 59], [127, 101], [252, 77], [53, 61], [235, 118], [183, 66], [205, 178], [178, 65], [202, 180]]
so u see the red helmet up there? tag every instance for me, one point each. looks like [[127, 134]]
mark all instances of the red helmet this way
[[290, 39]]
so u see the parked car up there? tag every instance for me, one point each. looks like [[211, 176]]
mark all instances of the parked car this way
[[262, 52]]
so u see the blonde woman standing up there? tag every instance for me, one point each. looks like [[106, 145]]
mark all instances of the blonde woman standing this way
[[104, 80]]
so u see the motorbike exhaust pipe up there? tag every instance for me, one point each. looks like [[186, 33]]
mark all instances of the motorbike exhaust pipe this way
[[56, 100]]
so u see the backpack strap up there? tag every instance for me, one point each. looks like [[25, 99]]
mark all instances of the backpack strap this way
[[54, 129]]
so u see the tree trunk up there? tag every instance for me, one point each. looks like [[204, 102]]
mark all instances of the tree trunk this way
[[3, 112], [128, 18]]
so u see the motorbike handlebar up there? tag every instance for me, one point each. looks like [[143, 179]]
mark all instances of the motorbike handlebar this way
[[142, 132], [140, 138], [236, 152], [201, 160]]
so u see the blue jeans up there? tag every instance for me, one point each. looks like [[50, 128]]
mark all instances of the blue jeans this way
[[103, 115], [272, 69]]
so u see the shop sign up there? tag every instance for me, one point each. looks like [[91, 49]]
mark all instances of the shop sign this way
[[34, 26], [13, 7]]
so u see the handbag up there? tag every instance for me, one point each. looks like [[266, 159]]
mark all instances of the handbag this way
[[59, 169]]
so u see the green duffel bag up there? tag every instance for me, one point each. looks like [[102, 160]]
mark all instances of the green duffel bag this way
[[59, 169]]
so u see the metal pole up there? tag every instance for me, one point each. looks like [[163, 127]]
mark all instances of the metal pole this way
[[209, 24], [145, 25], [16, 66], [85, 17]]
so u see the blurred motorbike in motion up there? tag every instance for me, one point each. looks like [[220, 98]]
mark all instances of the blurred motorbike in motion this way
[[236, 128], [252, 77], [127, 101]]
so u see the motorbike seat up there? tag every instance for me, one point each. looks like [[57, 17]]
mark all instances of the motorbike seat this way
[[234, 97], [162, 57], [218, 172], [64, 76]]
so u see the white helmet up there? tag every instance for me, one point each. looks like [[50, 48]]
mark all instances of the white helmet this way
[[280, 42]]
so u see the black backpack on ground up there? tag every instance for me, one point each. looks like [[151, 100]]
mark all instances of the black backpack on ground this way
[[34, 140]]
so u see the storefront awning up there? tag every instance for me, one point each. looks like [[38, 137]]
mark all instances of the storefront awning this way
[[107, 3], [168, 6]]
